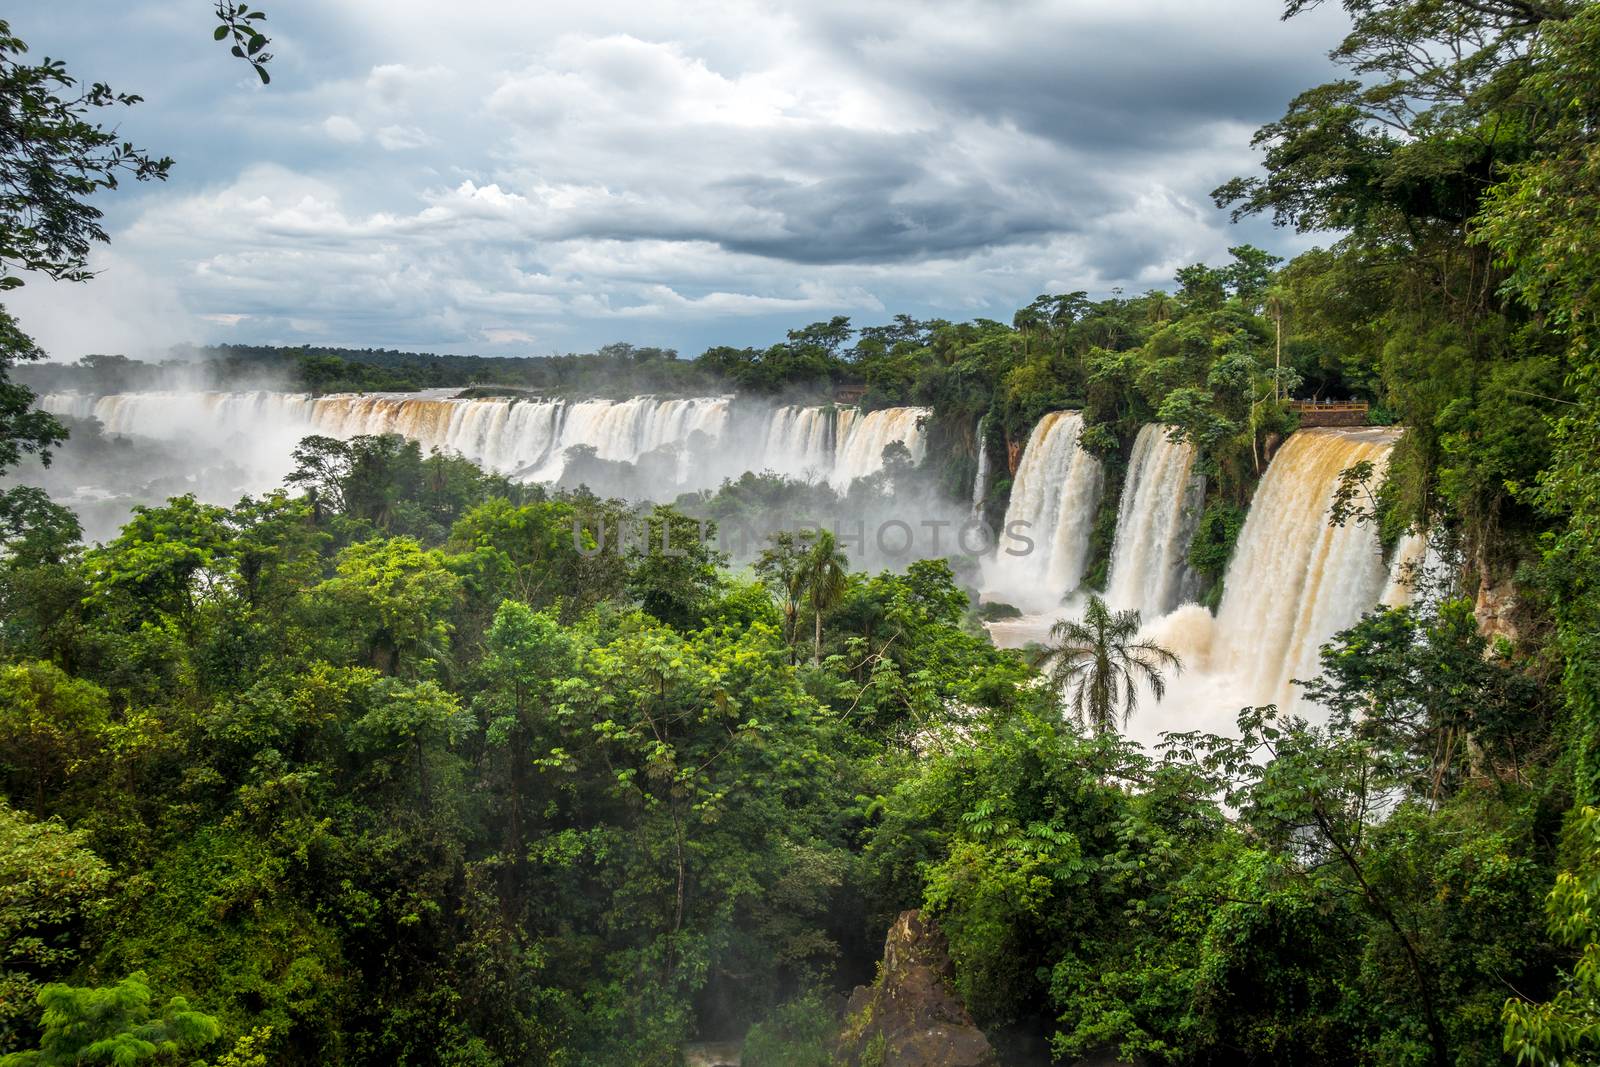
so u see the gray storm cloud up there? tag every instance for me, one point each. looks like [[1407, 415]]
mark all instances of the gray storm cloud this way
[[533, 181]]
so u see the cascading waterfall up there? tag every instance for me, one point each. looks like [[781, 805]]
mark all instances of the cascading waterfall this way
[[525, 438], [252, 432], [1156, 517], [1053, 500], [625, 430], [502, 435], [799, 442], [1295, 578], [980, 481], [1293, 582], [168, 414], [862, 439]]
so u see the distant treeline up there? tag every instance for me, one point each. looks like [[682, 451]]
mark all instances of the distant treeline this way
[[317, 369]]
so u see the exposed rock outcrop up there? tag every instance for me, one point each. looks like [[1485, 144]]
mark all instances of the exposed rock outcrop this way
[[1496, 610], [911, 1017]]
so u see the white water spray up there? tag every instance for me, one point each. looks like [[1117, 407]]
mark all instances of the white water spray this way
[[527, 439], [1160, 505], [1053, 500]]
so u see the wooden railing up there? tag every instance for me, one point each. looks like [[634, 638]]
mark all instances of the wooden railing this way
[[1328, 405], [1330, 412]]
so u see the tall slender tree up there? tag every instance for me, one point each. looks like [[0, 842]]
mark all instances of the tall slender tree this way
[[1097, 665], [825, 570], [782, 568]]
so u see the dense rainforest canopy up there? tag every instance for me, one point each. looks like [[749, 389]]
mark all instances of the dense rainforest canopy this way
[[384, 768]]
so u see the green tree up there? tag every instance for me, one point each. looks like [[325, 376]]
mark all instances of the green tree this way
[[1098, 661], [527, 659], [115, 1025], [53, 157], [1564, 1031], [1249, 275], [782, 568], [53, 730], [673, 573], [241, 24], [163, 564], [36, 530], [54, 885], [1541, 224], [825, 570], [390, 596]]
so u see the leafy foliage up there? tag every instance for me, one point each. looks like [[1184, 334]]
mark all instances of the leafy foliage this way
[[1100, 665], [113, 1025]]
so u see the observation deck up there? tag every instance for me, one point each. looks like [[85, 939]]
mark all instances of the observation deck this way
[[1330, 412]]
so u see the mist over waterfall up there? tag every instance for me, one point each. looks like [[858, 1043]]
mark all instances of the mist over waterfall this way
[[1053, 496], [1156, 517], [689, 443], [862, 439]]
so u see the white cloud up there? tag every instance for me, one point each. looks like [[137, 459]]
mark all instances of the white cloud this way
[[341, 129], [396, 138], [686, 171], [397, 85], [126, 309], [498, 336]]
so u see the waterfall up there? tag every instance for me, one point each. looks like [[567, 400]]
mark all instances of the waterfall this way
[[799, 442], [76, 405], [980, 481], [626, 430], [1156, 516], [1053, 497], [254, 432], [1295, 579], [502, 435], [169, 414], [698, 437], [862, 439]]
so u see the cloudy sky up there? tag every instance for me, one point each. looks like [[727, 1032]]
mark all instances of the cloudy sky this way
[[534, 177]]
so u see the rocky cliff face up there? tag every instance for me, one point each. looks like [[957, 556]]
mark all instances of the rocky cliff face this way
[[1498, 612], [911, 1017]]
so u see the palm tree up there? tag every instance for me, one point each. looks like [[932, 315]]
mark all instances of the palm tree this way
[[1096, 657], [782, 568], [825, 571]]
